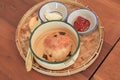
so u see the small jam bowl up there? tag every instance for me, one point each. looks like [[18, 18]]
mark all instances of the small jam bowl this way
[[87, 14], [52, 25], [53, 7]]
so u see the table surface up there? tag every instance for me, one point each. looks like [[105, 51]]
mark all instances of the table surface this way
[[106, 67]]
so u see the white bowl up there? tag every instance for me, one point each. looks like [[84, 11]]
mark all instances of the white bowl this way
[[87, 14], [49, 7], [53, 25]]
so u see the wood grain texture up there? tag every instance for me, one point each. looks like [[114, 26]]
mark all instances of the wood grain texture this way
[[13, 10], [108, 11], [89, 71], [110, 69], [12, 66]]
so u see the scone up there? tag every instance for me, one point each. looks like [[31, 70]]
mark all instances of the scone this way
[[57, 46]]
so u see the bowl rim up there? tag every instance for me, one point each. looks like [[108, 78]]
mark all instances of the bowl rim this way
[[74, 53], [95, 17], [53, 2]]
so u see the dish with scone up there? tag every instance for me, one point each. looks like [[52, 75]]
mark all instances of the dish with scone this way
[[57, 38]]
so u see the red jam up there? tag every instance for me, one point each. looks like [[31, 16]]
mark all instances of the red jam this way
[[81, 24]]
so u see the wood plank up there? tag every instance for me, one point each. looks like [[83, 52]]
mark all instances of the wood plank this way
[[13, 10], [110, 69], [12, 65]]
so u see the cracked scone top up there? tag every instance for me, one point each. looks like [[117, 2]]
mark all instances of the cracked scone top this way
[[57, 46]]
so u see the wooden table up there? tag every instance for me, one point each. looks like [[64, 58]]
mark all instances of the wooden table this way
[[107, 65]]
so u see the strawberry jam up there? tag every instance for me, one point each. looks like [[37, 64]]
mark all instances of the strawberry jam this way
[[81, 24]]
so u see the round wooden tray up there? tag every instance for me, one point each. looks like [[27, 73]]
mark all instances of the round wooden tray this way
[[90, 44]]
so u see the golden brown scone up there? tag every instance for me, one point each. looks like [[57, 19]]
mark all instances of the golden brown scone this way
[[57, 46]]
